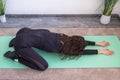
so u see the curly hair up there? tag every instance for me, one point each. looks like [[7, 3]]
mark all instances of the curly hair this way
[[73, 46]]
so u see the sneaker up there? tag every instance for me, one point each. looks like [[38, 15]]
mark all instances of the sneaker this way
[[11, 55], [11, 44]]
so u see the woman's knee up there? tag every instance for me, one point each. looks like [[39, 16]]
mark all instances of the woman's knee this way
[[45, 66], [42, 65]]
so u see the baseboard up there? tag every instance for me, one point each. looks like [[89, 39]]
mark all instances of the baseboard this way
[[119, 17], [56, 15]]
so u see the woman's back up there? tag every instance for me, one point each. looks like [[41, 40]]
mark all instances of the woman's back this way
[[38, 38]]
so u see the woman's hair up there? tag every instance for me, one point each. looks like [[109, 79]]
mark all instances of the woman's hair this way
[[73, 46]]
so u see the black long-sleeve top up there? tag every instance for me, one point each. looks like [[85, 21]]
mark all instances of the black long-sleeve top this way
[[38, 38]]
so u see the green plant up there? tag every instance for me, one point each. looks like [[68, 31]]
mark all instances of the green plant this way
[[108, 6], [2, 6]]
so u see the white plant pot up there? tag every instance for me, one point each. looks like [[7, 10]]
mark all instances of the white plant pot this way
[[3, 18], [105, 19]]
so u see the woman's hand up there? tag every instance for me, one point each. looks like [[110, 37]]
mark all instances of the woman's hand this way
[[103, 43]]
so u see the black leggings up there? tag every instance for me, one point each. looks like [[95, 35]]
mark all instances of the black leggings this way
[[30, 58]]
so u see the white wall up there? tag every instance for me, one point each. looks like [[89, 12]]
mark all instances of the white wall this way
[[55, 7]]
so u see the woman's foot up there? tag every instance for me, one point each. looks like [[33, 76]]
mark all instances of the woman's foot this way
[[105, 51], [103, 43], [11, 55], [11, 44]]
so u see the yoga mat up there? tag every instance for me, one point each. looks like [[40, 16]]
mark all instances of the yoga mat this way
[[54, 59]]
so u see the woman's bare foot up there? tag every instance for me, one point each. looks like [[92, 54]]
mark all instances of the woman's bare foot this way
[[105, 51], [103, 43]]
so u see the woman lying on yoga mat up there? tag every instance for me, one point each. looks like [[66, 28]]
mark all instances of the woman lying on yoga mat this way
[[51, 42]]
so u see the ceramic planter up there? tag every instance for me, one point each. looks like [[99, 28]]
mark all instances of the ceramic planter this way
[[105, 19], [2, 18]]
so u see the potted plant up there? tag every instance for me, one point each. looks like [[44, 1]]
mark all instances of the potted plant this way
[[2, 11], [108, 8]]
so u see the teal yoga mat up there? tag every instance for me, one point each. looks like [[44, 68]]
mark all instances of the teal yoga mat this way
[[54, 60]]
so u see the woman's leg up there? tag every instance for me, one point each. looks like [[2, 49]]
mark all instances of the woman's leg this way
[[27, 63], [31, 63], [29, 55]]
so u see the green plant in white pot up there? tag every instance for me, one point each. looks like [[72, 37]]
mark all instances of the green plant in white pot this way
[[108, 8], [2, 11]]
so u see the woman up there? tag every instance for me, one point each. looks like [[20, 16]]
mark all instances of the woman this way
[[51, 42]]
